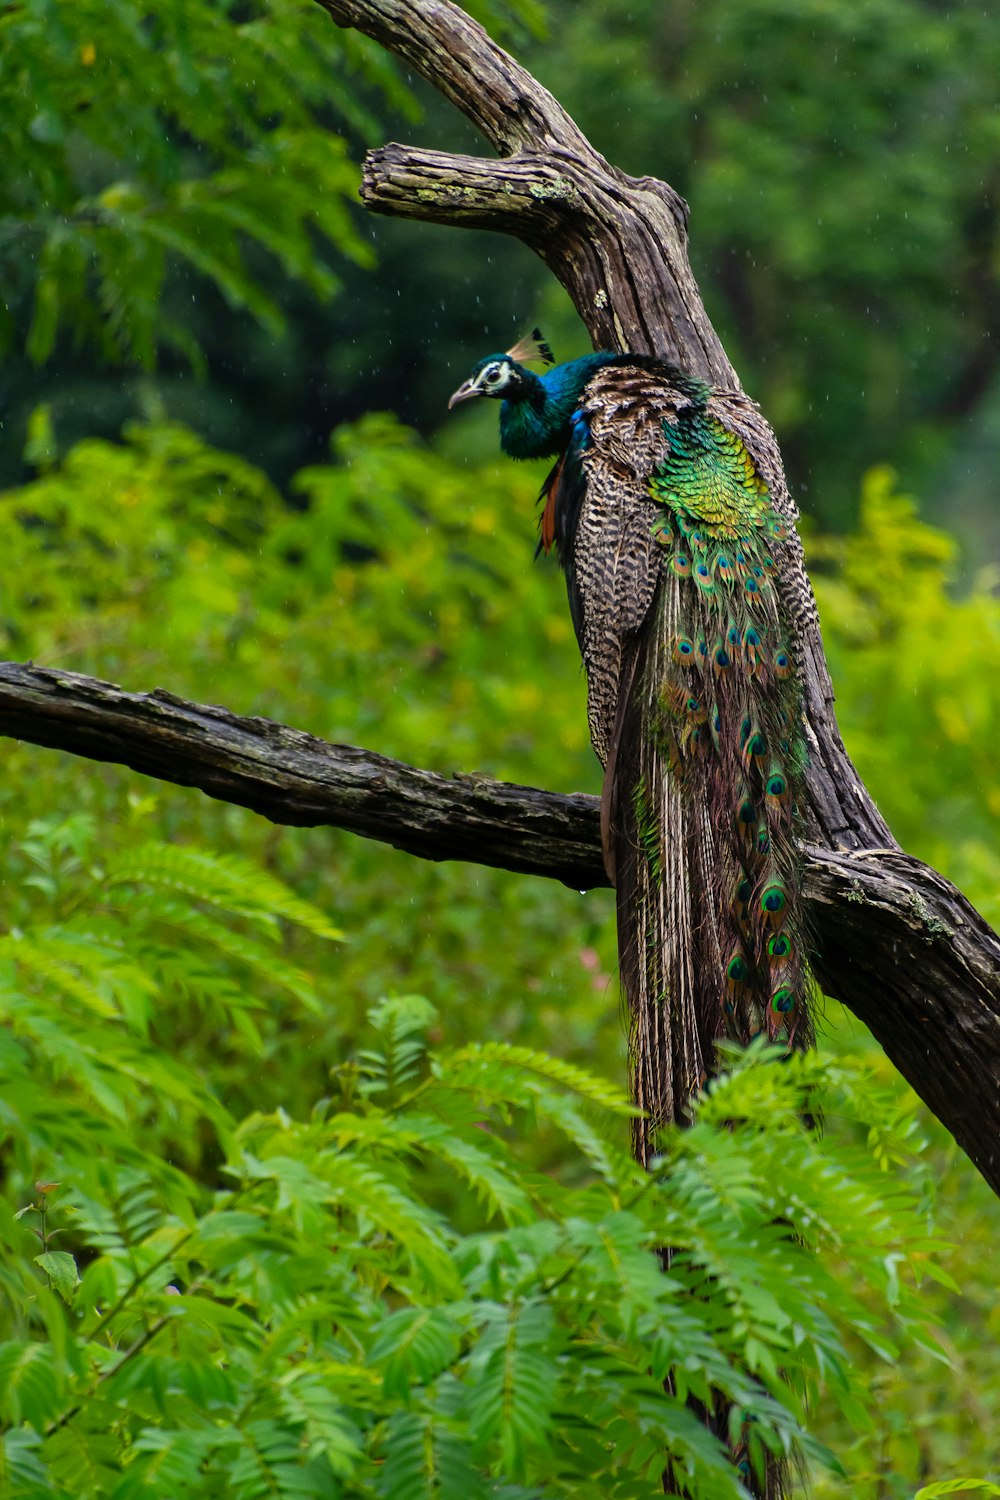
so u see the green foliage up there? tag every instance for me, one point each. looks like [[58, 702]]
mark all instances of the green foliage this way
[[147, 136], [918, 673], [252, 1242], [117, 538], [839, 165], [844, 218], [952, 1486], [101, 945], [393, 609], [308, 1318], [188, 140]]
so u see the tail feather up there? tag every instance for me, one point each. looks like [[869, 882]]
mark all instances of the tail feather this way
[[707, 772], [707, 769], [673, 551]]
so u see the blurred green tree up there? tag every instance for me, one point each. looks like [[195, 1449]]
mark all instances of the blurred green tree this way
[[841, 167], [176, 200], [839, 163]]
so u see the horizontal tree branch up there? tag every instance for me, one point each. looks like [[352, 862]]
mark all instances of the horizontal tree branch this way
[[293, 778], [895, 941]]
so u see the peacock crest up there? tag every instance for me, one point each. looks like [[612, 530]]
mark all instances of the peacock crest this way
[[532, 349]]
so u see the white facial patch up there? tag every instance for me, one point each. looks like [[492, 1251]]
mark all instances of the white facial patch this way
[[495, 377]]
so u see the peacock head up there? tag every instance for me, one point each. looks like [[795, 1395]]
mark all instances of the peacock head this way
[[497, 375], [503, 376]]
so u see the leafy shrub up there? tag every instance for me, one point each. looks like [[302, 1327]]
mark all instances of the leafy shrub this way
[[317, 1316]]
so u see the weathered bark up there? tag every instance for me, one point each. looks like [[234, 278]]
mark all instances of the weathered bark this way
[[896, 943], [295, 779]]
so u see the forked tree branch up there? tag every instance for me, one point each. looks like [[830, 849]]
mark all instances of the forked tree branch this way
[[619, 246], [899, 945]]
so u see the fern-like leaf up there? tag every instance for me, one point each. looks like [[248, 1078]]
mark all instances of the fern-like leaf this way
[[401, 1022], [29, 1383], [261, 956], [425, 1461], [235, 885], [514, 1383], [308, 1401], [494, 1066], [369, 1195], [423, 1134], [163, 1462], [45, 961], [23, 1473], [414, 1345]]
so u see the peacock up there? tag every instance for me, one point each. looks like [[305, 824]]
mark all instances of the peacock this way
[[673, 550]]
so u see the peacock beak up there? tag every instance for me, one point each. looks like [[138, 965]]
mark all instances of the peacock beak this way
[[465, 392]]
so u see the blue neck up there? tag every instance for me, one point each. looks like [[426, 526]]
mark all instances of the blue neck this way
[[535, 421]]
